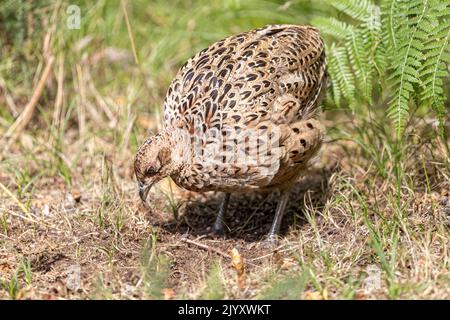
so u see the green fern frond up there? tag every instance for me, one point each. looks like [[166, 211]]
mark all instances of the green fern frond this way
[[435, 69], [358, 48], [359, 58], [389, 10], [341, 73], [403, 42], [333, 27], [373, 35], [356, 9], [333, 71], [411, 35]]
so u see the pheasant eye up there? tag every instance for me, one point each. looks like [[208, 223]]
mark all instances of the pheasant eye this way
[[150, 171]]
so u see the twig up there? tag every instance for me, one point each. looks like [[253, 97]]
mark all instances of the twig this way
[[5, 236], [81, 99], [87, 105], [204, 246], [127, 134], [59, 93], [21, 206], [130, 34], [271, 253], [25, 117], [98, 97], [9, 100], [223, 254], [22, 217]]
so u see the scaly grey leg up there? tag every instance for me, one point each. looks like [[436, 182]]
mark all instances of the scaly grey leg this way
[[275, 229], [218, 224]]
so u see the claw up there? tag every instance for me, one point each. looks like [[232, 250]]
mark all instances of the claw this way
[[270, 242]]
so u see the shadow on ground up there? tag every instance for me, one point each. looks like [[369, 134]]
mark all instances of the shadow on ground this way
[[250, 216]]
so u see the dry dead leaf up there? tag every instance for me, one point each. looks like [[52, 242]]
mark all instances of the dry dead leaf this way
[[237, 261], [288, 264], [277, 258], [360, 295], [48, 296], [169, 293], [283, 263], [238, 264], [5, 268], [315, 295], [26, 293], [121, 101]]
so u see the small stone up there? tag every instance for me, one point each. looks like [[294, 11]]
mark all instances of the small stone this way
[[69, 203], [128, 290], [46, 210], [73, 280]]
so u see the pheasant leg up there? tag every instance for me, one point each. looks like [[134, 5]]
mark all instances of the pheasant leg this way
[[275, 228], [218, 224]]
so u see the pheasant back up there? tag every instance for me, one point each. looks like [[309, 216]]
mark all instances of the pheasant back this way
[[240, 113]]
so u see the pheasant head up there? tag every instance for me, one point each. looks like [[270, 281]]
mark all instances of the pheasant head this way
[[153, 162]]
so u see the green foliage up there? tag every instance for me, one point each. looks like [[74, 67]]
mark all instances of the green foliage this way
[[13, 21], [417, 31], [27, 272], [289, 287], [12, 286], [214, 288], [354, 57], [434, 68], [340, 71], [333, 27], [21, 276], [399, 49], [357, 9], [390, 54], [155, 269]]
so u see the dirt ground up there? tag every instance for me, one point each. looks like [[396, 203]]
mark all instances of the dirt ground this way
[[66, 237], [97, 240]]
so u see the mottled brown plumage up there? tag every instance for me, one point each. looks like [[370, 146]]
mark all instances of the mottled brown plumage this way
[[239, 115]]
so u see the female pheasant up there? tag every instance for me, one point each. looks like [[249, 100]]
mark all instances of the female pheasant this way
[[239, 116]]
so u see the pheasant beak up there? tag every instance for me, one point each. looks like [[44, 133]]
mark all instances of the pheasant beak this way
[[143, 191]]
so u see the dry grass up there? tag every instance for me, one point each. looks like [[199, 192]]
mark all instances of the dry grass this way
[[371, 220], [341, 222]]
